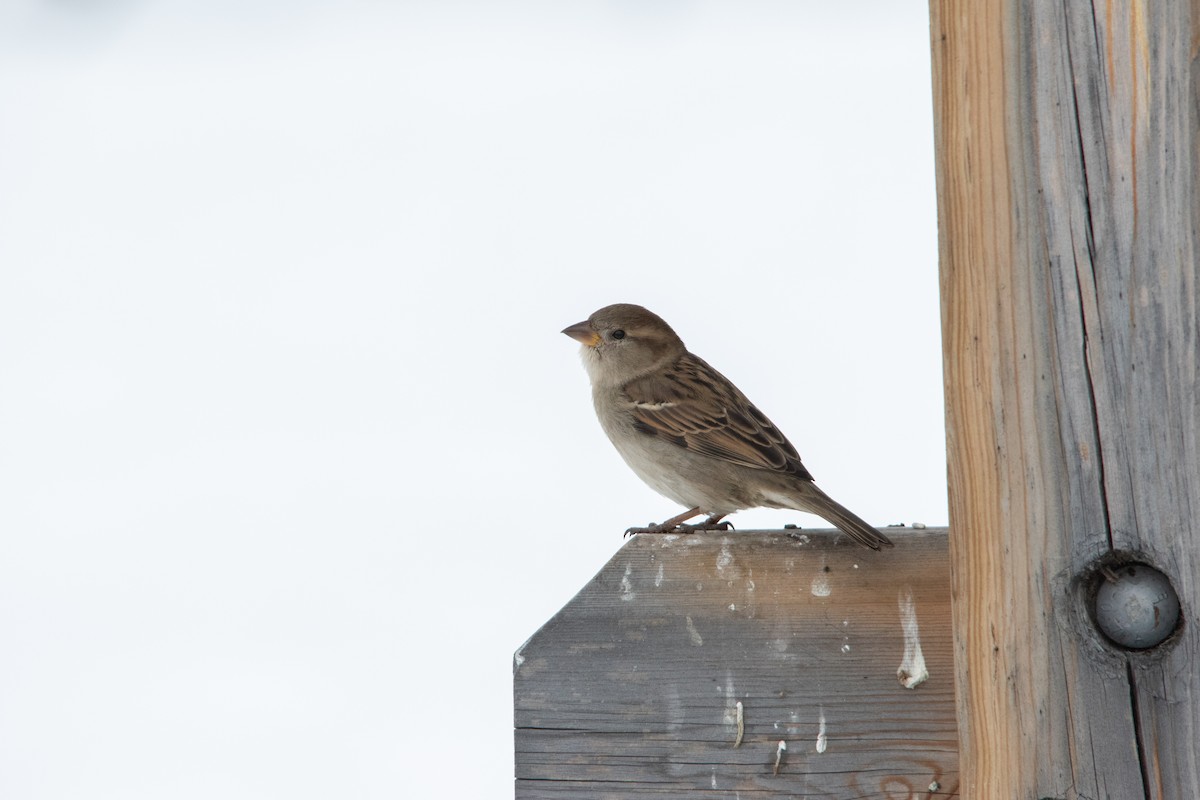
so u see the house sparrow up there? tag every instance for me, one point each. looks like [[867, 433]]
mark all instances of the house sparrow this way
[[689, 433]]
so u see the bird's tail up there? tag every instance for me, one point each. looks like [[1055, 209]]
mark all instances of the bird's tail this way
[[849, 523]]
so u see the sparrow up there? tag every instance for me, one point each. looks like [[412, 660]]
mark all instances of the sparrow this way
[[689, 433]]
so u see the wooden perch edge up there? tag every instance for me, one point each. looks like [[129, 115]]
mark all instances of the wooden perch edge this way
[[771, 662]]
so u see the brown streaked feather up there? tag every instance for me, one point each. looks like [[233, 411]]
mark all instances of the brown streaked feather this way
[[694, 406]]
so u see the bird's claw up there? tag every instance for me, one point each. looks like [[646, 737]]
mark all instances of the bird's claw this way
[[704, 526], [680, 528], [651, 528]]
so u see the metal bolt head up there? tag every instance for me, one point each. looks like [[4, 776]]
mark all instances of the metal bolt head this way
[[1137, 607]]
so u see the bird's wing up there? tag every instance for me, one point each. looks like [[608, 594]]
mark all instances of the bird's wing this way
[[692, 405]]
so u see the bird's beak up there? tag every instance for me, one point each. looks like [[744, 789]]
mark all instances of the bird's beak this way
[[582, 332]]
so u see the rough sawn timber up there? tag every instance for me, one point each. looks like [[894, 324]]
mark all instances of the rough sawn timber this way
[[1067, 137], [631, 690]]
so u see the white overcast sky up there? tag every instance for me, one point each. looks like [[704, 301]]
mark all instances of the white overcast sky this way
[[292, 453]]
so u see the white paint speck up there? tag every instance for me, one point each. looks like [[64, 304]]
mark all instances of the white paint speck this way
[[693, 634], [627, 592], [822, 742], [845, 647], [912, 672], [733, 606]]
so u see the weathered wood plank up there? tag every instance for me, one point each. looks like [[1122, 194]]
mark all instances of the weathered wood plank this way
[[632, 689], [1067, 136]]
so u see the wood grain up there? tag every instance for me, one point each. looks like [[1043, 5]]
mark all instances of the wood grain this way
[[1067, 136], [632, 689]]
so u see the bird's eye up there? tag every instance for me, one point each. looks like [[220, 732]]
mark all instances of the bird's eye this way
[[618, 334]]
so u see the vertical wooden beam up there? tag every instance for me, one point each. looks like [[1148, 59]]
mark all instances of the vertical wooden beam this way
[[975, 245], [1067, 138]]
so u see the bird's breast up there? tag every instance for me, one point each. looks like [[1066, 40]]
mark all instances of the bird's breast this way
[[669, 468]]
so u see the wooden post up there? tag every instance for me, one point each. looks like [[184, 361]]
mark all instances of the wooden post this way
[[749, 663], [1067, 141]]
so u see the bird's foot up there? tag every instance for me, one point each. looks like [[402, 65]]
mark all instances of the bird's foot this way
[[651, 528], [683, 527], [671, 525], [707, 525]]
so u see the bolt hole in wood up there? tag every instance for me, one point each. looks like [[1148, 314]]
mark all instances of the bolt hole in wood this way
[[1132, 604]]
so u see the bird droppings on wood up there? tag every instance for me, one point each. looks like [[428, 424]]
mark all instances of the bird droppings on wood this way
[[693, 634], [726, 569], [741, 725], [599, 705], [627, 592], [780, 749], [912, 672], [658, 577], [820, 582], [731, 701], [822, 741]]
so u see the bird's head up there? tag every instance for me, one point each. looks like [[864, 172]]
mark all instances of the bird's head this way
[[624, 341]]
